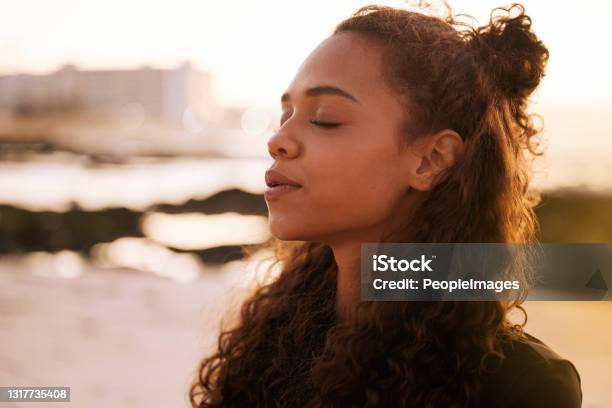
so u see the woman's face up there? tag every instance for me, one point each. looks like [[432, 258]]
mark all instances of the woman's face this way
[[352, 171]]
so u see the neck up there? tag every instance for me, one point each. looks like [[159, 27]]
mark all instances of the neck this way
[[347, 254], [348, 287]]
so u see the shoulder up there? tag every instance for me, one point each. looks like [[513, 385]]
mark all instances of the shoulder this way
[[532, 375]]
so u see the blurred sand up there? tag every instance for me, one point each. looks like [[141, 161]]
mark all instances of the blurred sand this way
[[117, 338], [129, 339]]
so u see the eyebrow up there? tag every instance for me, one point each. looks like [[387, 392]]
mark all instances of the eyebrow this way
[[323, 90]]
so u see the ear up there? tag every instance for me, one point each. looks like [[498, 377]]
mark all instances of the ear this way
[[430, 156]]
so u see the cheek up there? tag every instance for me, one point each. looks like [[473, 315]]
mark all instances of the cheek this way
[[349, 187], [362, 196]]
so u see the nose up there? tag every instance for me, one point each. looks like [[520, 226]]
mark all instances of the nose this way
[[282, 145]]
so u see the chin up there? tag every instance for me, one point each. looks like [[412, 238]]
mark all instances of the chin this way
[[284, 233], [287, 230]]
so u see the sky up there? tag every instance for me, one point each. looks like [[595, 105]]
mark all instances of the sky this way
[[253, 48]]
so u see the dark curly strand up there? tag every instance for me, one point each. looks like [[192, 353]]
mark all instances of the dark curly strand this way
[[288, 350]]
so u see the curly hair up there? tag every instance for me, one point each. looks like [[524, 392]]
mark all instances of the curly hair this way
[[288, 349]]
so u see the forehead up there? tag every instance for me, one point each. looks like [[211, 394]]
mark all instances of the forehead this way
[[348, 61]]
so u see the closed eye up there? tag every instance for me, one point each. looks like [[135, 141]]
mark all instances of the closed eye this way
[[325, 124]]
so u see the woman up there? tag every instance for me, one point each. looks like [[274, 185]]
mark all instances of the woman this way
[[399, 127]]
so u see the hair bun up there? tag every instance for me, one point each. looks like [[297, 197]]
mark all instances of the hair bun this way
[[514, 58]]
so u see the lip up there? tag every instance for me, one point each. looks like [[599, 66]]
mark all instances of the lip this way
[[278, 184], [275, 177], [271, 193]]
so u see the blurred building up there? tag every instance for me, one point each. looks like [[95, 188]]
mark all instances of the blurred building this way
[[172, 95]]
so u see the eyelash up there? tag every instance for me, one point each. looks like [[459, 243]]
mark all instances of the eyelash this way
[[327, 125]]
